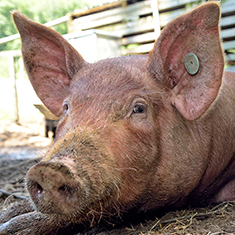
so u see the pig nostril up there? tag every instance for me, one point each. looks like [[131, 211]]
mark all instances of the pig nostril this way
[[66, 190], [39, 189], [36, 189]]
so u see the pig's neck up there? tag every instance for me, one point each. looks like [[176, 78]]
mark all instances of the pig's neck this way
[[220, 121], [194, 154]]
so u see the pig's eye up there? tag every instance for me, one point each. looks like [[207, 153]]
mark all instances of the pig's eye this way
[[139, 108], [65, 107]]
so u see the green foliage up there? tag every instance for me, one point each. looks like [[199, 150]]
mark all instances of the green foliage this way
[[41, 11]]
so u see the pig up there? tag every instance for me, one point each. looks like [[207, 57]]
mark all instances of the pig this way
[[136, 133]]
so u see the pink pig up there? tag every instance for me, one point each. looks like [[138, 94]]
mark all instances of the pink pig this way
[[136, 133]]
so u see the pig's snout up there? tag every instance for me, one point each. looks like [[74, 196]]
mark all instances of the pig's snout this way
[[54, 188], [45, 179]]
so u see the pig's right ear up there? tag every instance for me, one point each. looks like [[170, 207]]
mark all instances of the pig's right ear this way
[[51, 62], [187, 59]]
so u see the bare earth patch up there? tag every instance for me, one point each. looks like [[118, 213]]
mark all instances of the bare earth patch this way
[[20, 147]]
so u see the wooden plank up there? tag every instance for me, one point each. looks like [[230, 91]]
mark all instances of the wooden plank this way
[[228, 21], [141, 38], [46, 112], [230, 68], [104, 7], [123, 29], [228, 33], [9, 38], [230, 57], [166, 17], [115, 28], [229, 45], [136, 9], [13, 53], [98, 23], [135, 28], [58, 21], [227, 7], [112, 19], [173, 4], [138, 50]]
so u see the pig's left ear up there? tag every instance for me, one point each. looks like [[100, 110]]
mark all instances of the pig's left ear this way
[[188, 59]]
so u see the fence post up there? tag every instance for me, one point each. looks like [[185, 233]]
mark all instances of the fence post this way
[[21, 68], [156, 19], [13, 82]]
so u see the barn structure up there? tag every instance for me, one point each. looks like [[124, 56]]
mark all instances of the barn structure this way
[[138, 23]]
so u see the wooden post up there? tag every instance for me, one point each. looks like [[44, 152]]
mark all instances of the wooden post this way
[[156, 19], [21, 68], [13, 80]]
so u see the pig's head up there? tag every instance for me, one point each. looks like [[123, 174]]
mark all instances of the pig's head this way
[[118, 144]]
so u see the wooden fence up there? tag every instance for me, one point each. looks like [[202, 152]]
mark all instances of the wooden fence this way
[[138, 22]]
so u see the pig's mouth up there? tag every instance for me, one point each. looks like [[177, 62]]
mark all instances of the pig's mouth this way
[[56, 191]]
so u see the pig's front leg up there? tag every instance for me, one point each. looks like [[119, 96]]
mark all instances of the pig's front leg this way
[[33, 223], [22, 219], [19, 208]]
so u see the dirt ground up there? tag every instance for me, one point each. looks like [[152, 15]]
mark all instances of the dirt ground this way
[[20, 147]]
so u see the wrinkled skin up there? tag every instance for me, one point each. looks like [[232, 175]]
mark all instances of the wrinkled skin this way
[[136, 133]]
